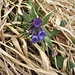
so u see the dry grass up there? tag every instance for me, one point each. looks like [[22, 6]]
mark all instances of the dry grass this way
[[18, 57]]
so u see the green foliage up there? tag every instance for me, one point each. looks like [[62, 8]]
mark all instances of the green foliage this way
[[46, 18], [33, 13], [40, 12], [48, 34], [54, 32], [60, 48], [60, 61], [20, 18], [25, 26], [38, 9], [63, 23], [73, 5], [51, 34], [73, 41], [70, 65], [26, 17], [48, 40], [30, 3], [24, 34]]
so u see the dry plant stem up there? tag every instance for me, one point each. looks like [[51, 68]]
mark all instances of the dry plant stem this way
[[7, 24], [1, 4], [25, 50], [45, 59], [65, 35], [41, 7], [55, 25], [0, 14], [16, 61], [20, 55], [63, 45], [8, 62], [61, 28]]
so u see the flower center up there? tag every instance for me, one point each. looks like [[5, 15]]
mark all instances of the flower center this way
[[36, 23]]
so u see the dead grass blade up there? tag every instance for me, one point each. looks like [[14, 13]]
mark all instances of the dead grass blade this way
[[1, 4], [18, 56], [6, 14], [45, 60], [16, 61], [65, 64], [24, 47], [14, 30], [16, 44]]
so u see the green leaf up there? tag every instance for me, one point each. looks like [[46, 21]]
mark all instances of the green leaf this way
[[26, 17], [43, 44], [38, 9], [51, 59], [40, 12], [48, 34], [70, 65], [20, 19], [63, 23], [25, 26], [54, 32], [30, 3], [51, 34], [48, 40], [46, 18], [73, 5], [24, 34], [60, 48], [60, 60], [33, 13], [73, 41]]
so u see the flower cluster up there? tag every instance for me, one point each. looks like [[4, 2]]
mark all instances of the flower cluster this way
[[36, 31]]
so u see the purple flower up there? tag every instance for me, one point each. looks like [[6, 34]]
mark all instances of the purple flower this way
[[42, 35], [37, 22], [35, 39]]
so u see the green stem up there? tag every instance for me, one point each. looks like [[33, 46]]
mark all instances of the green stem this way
[[43, 44]]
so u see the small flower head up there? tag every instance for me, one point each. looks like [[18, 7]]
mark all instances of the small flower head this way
[[37, 22], [42, 35], [36, 31], [35, 39]]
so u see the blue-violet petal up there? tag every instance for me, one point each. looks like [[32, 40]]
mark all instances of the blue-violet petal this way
[[37, 22], [35, 39], [42, 35]]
